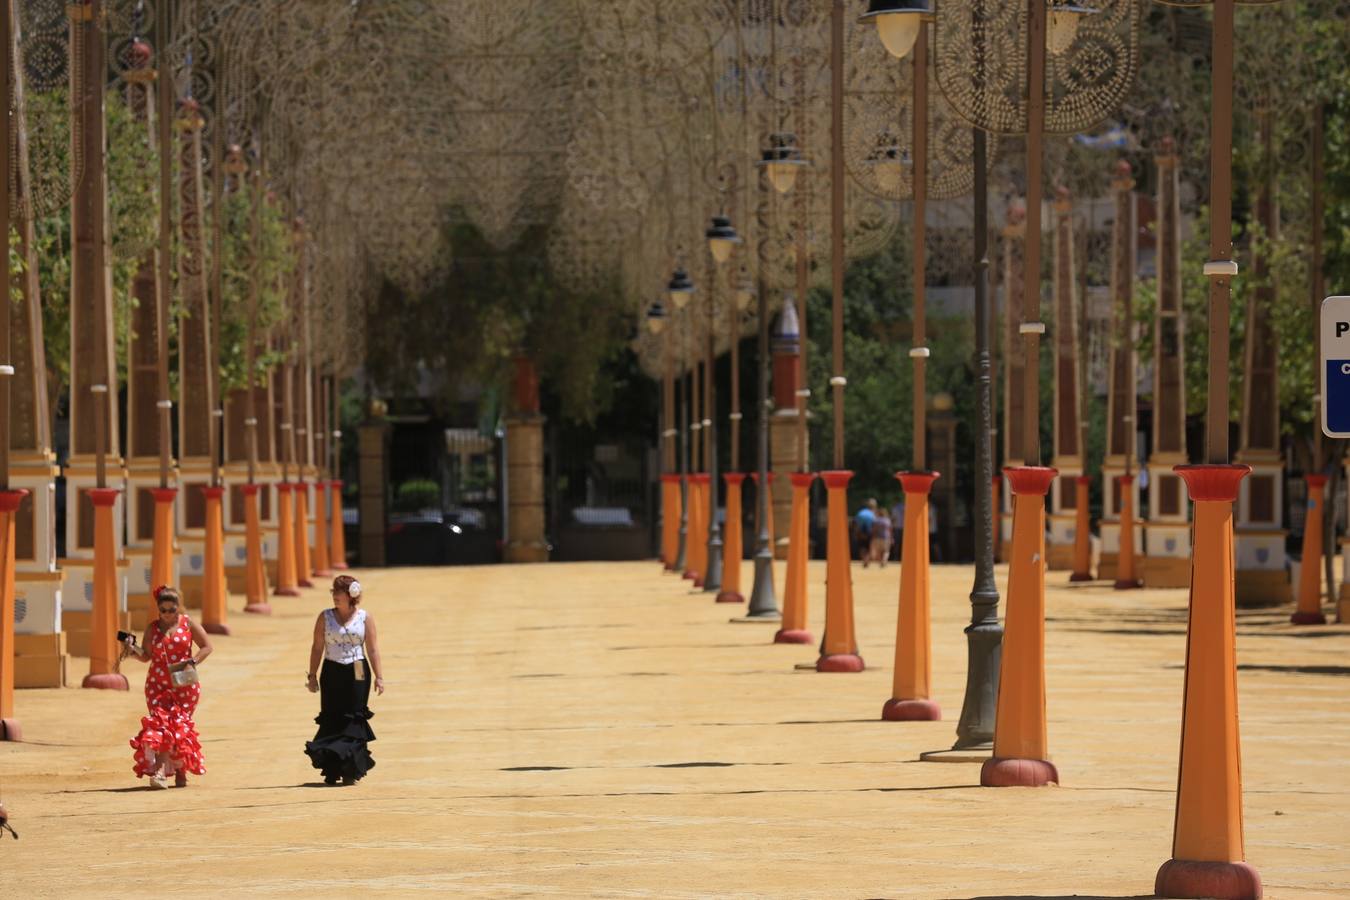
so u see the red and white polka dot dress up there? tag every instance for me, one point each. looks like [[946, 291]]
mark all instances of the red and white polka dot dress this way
[[168, 727]]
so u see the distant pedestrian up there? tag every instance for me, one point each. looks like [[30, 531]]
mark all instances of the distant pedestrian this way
[[862, 528], [897, 526], [880, 548]]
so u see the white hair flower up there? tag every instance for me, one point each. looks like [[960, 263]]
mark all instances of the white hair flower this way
[[354, 590]]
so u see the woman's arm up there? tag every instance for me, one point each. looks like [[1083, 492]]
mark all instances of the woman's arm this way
[[143, 651], [373, 653], [200, 638], [315, 655]]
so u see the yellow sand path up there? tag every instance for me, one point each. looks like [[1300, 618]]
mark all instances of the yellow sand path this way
[[601, 730]]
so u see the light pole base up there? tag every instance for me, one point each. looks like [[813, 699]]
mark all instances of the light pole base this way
[[730, 597], [217, 628], [10, 730], [911, 711], [1307, 618], [1127, 584], [259, 609], [1187, 878], [840, 662], [108, 681], [1002, 771], [285, 592], [1080, 576], [793, 636]]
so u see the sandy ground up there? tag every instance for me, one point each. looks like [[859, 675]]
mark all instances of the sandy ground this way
[[602, 730]]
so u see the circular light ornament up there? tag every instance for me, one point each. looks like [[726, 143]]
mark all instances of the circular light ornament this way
[[897, 23], [1065, 17], [656, 317], [679, 288], [722, 238], [782, 160]]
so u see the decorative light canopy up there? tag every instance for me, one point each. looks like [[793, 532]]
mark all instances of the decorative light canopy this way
[[782, 160], [1065, 16], [680, 287], [897, 23], [722, 238], [888, 163]]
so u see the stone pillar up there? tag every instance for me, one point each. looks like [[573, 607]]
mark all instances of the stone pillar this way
[[1014, 365], [40, 645], [1261, 576], [1121, 400], [526, 541], [90, 345], [373, 497], [783, 448], [194, 371], [1068, 432], [1167, 536]]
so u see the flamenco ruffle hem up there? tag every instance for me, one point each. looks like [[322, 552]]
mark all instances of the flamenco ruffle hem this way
[[167, 730], [339, 749]]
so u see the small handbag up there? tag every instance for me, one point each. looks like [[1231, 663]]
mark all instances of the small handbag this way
[[184, 676]]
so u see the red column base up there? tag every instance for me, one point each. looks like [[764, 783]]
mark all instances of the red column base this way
[[285, 592], [665, 567], [10, 730], [110, 681], [1308, 618], [1080, 576], [793, 636], [338, 566], [690, 575], [324, 573], [259, 609], [1002, 771], [217, 628], [840, 662], [1126, 585], [305, 582], [911, 711], [730, 597], [1186, 878]]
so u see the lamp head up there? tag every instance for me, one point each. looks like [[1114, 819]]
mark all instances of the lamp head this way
[[722, 238], [1065, 17], [897, 23], [656, 317], [782, 160], [679, 287]]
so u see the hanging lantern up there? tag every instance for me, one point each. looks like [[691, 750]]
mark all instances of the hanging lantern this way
[[679, 288], [897, 23], [782, 160], [888, 164], [745, 290], [656, 317], [722, 238]]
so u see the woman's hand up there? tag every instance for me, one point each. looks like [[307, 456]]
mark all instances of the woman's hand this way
[[379, 685], [312, 683]]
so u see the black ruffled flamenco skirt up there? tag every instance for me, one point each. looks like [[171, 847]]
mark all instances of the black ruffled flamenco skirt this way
[[339, 748]]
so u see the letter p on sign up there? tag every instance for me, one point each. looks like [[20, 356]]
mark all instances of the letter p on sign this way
[[1335, 367]]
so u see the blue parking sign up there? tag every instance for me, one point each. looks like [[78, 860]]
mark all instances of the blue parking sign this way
[[1335, 367]]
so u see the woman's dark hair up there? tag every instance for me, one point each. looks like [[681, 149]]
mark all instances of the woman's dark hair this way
[[168, 593], [343, 583]]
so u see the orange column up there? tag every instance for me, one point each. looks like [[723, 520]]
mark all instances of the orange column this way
[[670, 521], [303, 567], [337, 538], [321, 567], [103, 620], [255, 573], [286, 585], [1207, 847], [1309, 610], [794, 629], [840, 652], [162, 550], [731, 542], [213, 567], [1021, 750], [999, 555], [9, 505], [911, 686], [1082, 531], [1125, 577], [696, 540]]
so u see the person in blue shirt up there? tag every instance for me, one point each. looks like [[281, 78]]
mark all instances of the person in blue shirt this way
[[862, 528]]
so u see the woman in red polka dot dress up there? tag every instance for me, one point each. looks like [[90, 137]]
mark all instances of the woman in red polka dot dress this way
[[168, 744]]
